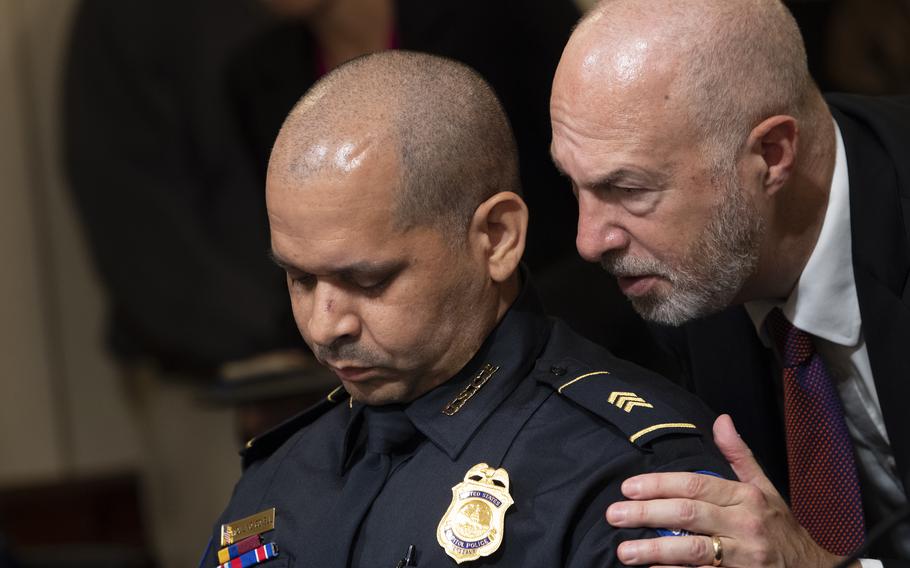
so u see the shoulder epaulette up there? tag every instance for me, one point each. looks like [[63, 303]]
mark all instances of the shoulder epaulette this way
[[632, 404], [265, 444]]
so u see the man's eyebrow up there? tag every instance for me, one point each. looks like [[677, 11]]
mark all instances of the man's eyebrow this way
[[370, 268], [366, 267], [616, 176], [625, 175]]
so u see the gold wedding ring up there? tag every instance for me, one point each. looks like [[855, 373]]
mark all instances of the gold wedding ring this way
[[718, 551]]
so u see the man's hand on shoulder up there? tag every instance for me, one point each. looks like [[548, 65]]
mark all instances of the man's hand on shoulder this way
[[754, 525]]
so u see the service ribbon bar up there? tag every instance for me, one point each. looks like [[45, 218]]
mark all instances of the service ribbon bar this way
[[229, 552], [253, 557]]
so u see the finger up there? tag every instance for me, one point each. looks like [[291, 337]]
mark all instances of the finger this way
[[735, 450], [685, 485], [693, 550], [693, 516]]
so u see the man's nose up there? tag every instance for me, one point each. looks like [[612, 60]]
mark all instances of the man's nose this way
[[598, 232], [332, 315]]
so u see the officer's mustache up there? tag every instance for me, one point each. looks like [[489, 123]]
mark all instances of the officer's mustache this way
[[350, 353]]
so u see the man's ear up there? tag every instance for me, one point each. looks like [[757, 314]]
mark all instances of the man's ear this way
[[498, 228], [773, 144]]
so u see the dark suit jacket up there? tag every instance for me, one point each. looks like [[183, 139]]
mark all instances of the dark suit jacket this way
[[721, 357], [514, 44]]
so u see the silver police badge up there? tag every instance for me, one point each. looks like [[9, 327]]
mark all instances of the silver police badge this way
[[473, 526]]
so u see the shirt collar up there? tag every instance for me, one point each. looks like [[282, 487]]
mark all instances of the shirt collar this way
[[512, 346], [824, 301]]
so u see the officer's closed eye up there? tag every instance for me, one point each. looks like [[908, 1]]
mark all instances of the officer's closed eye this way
[[373, 284]]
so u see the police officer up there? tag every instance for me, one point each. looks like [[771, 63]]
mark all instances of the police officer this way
[[468, 427]]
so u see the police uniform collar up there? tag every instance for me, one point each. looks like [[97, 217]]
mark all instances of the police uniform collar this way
[[511, 349]]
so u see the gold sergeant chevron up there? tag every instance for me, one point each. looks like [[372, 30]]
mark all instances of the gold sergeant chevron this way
[[627, 400]]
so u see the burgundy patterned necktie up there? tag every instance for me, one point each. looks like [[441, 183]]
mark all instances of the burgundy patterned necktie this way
[[824, 488]]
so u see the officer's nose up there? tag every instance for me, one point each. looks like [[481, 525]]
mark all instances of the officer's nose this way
[[331, 315], [598, 231]]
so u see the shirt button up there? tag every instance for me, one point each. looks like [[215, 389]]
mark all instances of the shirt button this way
[[558, 371]]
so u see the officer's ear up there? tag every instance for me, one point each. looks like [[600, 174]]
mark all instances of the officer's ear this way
[[498, 230]]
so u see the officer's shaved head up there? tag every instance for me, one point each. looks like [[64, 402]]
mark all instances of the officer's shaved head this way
[[442, 123], [392, 204]]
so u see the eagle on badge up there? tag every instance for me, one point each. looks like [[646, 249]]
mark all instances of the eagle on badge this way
[[474, 524]]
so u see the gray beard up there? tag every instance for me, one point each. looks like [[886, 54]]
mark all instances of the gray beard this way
[[711, 273]]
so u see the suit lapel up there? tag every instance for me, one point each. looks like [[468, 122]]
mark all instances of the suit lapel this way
[[881, 263]]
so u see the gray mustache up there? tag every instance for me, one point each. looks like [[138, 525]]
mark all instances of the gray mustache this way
[[632, 266]]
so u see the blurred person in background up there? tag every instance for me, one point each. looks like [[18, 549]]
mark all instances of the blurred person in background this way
[[172, 215]]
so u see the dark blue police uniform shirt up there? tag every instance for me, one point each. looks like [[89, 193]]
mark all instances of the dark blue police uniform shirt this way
[[545, 416]]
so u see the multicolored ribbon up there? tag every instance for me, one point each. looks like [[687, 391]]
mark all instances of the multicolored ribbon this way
[[253, 557], [233, 551]]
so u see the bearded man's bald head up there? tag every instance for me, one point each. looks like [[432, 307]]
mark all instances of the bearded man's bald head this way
[[448, 133], [728, 63]]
